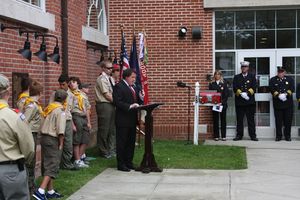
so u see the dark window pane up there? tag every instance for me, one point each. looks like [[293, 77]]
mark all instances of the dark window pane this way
[[225, 40], [298, 37], [289, 63], [298, 20], [265, 19], [245, 20], [286, 38], [252, 66], [286, 19], [245, 39], [265, 39], [263, 66], [224, 20], [225, 61], [297, 65]]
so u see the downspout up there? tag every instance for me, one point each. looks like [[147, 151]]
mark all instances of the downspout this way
[[64, 37]]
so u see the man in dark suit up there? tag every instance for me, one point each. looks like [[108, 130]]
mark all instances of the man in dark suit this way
[[282, 88], [244, 86], [126, 100]]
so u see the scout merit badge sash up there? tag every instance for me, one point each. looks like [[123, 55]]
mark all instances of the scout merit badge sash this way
[[50, 108], [79, 96]]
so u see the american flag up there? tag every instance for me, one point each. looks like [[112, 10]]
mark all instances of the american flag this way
[[124, 63]]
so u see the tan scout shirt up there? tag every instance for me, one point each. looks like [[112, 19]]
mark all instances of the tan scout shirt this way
[[21, 102], [16, 140], [76, 108], [33, 116], [70, 99], [103, 86], [86, 101], [55, 123]]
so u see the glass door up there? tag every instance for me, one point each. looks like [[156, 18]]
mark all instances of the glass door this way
[[262, 64]]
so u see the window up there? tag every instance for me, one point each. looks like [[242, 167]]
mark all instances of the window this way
[[16, 86], [36, 3], [263, 29], [96, 16]]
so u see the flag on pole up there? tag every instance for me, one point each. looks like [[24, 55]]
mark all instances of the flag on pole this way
[[143, 59], [124, 64], [134, 64]]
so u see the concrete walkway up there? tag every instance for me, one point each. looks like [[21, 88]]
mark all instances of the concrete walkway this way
[[273, 174]]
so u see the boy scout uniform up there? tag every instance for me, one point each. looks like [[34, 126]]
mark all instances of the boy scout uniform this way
[[67, 152], [283, 110], [21, 100], [79, 119], [33, 115], [245, 84], [16, 146], [54, 125], [106, 134]]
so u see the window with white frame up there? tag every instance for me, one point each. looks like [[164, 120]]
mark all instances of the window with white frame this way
[[38, 3], [96, 16]]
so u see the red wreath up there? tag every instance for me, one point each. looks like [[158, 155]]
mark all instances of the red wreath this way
[[204, 100]]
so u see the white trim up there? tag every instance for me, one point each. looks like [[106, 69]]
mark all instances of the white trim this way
[[24, 12], [95, 36]]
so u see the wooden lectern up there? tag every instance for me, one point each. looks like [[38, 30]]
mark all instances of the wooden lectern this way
[[149, 164]]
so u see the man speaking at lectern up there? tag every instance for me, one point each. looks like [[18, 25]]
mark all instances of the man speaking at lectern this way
[[126, 100]]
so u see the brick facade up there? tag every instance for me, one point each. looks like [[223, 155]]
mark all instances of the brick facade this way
[[170, 59]]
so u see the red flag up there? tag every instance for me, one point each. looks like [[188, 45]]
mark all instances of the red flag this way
[[143, 59]]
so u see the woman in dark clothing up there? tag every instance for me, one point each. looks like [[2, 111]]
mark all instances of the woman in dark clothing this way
[[220, 85]]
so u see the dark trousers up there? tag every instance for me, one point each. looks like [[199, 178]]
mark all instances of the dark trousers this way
[[125, 145], [249, 111], [285, 117], [222, 117]]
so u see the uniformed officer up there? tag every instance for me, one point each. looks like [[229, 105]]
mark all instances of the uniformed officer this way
[[220, 85], [244, 86], [16, 148], [282, 88]]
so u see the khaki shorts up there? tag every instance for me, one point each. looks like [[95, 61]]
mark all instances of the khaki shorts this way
[[51, 156], [82, 134]]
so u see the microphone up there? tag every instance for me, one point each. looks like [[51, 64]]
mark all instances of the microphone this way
[[182, 84]]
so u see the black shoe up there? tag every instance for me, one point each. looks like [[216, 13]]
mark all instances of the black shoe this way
[[237, 138], [130, 167], [277, 139], [124, 169], [288, 139], [254, 139]]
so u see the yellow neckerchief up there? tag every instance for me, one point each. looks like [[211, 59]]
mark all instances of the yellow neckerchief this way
[[3, 105], [23, 95], [28, 101], [79, 96], [50, 108]]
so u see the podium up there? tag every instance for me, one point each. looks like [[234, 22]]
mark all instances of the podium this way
[[148, 163]]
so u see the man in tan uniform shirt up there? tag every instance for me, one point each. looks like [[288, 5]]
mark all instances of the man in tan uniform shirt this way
[[16, 148]]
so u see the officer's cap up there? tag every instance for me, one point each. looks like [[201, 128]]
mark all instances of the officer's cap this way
[[4, 83], [281, 68], [245, 64], [60, 95]]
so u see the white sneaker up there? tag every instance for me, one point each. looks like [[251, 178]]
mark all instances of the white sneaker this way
[[81, 164]]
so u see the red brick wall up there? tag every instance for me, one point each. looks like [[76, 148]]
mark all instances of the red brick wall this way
[[170, 59]]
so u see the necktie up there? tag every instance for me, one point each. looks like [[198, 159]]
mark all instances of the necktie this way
[[133, 93]]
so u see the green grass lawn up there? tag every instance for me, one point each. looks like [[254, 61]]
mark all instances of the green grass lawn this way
[[168, 154]]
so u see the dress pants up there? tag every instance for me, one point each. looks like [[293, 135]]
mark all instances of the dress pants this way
[[222, 117], [285, 117], [249, 111], [125, 145]]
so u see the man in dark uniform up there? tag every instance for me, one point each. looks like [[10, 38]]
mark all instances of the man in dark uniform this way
[[282, 88], [244, 85]]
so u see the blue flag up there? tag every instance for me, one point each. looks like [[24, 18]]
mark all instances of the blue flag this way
[[134, 64]]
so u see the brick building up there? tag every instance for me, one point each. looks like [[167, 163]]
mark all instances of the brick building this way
[[266, 33]]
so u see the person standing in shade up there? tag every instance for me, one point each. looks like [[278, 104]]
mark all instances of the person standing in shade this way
[[25, 84], [67, 153], [244, 86], [106, 135], [126, 99], [16, 148], [282, 88], [220, 85]]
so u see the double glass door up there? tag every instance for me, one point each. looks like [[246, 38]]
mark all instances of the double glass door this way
[[263, 64]]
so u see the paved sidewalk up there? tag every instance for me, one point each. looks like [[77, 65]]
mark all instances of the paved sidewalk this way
[[273, 174]]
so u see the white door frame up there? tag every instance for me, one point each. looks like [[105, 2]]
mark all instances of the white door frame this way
[[261, 131]]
